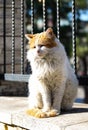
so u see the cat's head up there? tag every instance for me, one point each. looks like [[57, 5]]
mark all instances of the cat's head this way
[[41, 43]]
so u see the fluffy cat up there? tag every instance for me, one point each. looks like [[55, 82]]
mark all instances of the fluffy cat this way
[[53, 84]]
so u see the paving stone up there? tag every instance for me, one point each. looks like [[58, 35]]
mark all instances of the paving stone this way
[[13, 112]]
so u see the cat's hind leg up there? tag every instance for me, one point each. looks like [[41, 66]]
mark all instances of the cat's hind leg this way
[[69, 95]]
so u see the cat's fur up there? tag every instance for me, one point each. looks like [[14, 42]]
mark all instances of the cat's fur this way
[[53, 84]]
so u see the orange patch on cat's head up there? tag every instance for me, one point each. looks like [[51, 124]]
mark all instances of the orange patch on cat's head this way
[[46, 38]]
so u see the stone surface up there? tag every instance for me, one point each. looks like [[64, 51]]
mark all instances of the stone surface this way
[[13, 112], [9, 106], [82, 126], [8, 127], [55, 123]]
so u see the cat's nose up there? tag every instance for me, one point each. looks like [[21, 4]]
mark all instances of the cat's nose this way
[[38, 51]]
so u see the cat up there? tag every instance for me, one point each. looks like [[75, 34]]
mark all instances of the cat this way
[[52, 84]]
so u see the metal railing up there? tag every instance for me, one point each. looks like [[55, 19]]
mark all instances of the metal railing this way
[[13, 76]]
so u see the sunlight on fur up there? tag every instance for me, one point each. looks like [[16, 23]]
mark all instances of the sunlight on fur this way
[[52, 84], [40, 114]]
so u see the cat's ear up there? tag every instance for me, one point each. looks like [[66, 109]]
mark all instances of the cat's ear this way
[[50, 33], [29, 36]]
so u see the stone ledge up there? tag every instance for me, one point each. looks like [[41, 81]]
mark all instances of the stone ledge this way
[[12, 112]]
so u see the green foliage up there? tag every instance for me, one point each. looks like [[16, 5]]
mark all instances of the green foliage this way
[[82, 49], [81, 3]]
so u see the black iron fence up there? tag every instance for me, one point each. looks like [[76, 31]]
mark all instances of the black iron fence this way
[[12, 19]]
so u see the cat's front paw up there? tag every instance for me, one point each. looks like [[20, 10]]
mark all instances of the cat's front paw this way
[[41, 114], [36, 113], [52, 113]]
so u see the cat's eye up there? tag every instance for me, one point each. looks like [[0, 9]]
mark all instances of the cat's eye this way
[[40, 46], [34, 46]]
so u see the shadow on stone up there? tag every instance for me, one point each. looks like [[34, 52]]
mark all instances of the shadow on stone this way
[[75, 110]]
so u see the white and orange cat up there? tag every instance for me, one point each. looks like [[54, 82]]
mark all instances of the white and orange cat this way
[[53, 84]]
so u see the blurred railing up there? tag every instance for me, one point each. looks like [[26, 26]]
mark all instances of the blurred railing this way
[[12, 19]]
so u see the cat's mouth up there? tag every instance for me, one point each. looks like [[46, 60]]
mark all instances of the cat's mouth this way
[[40, 55]]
